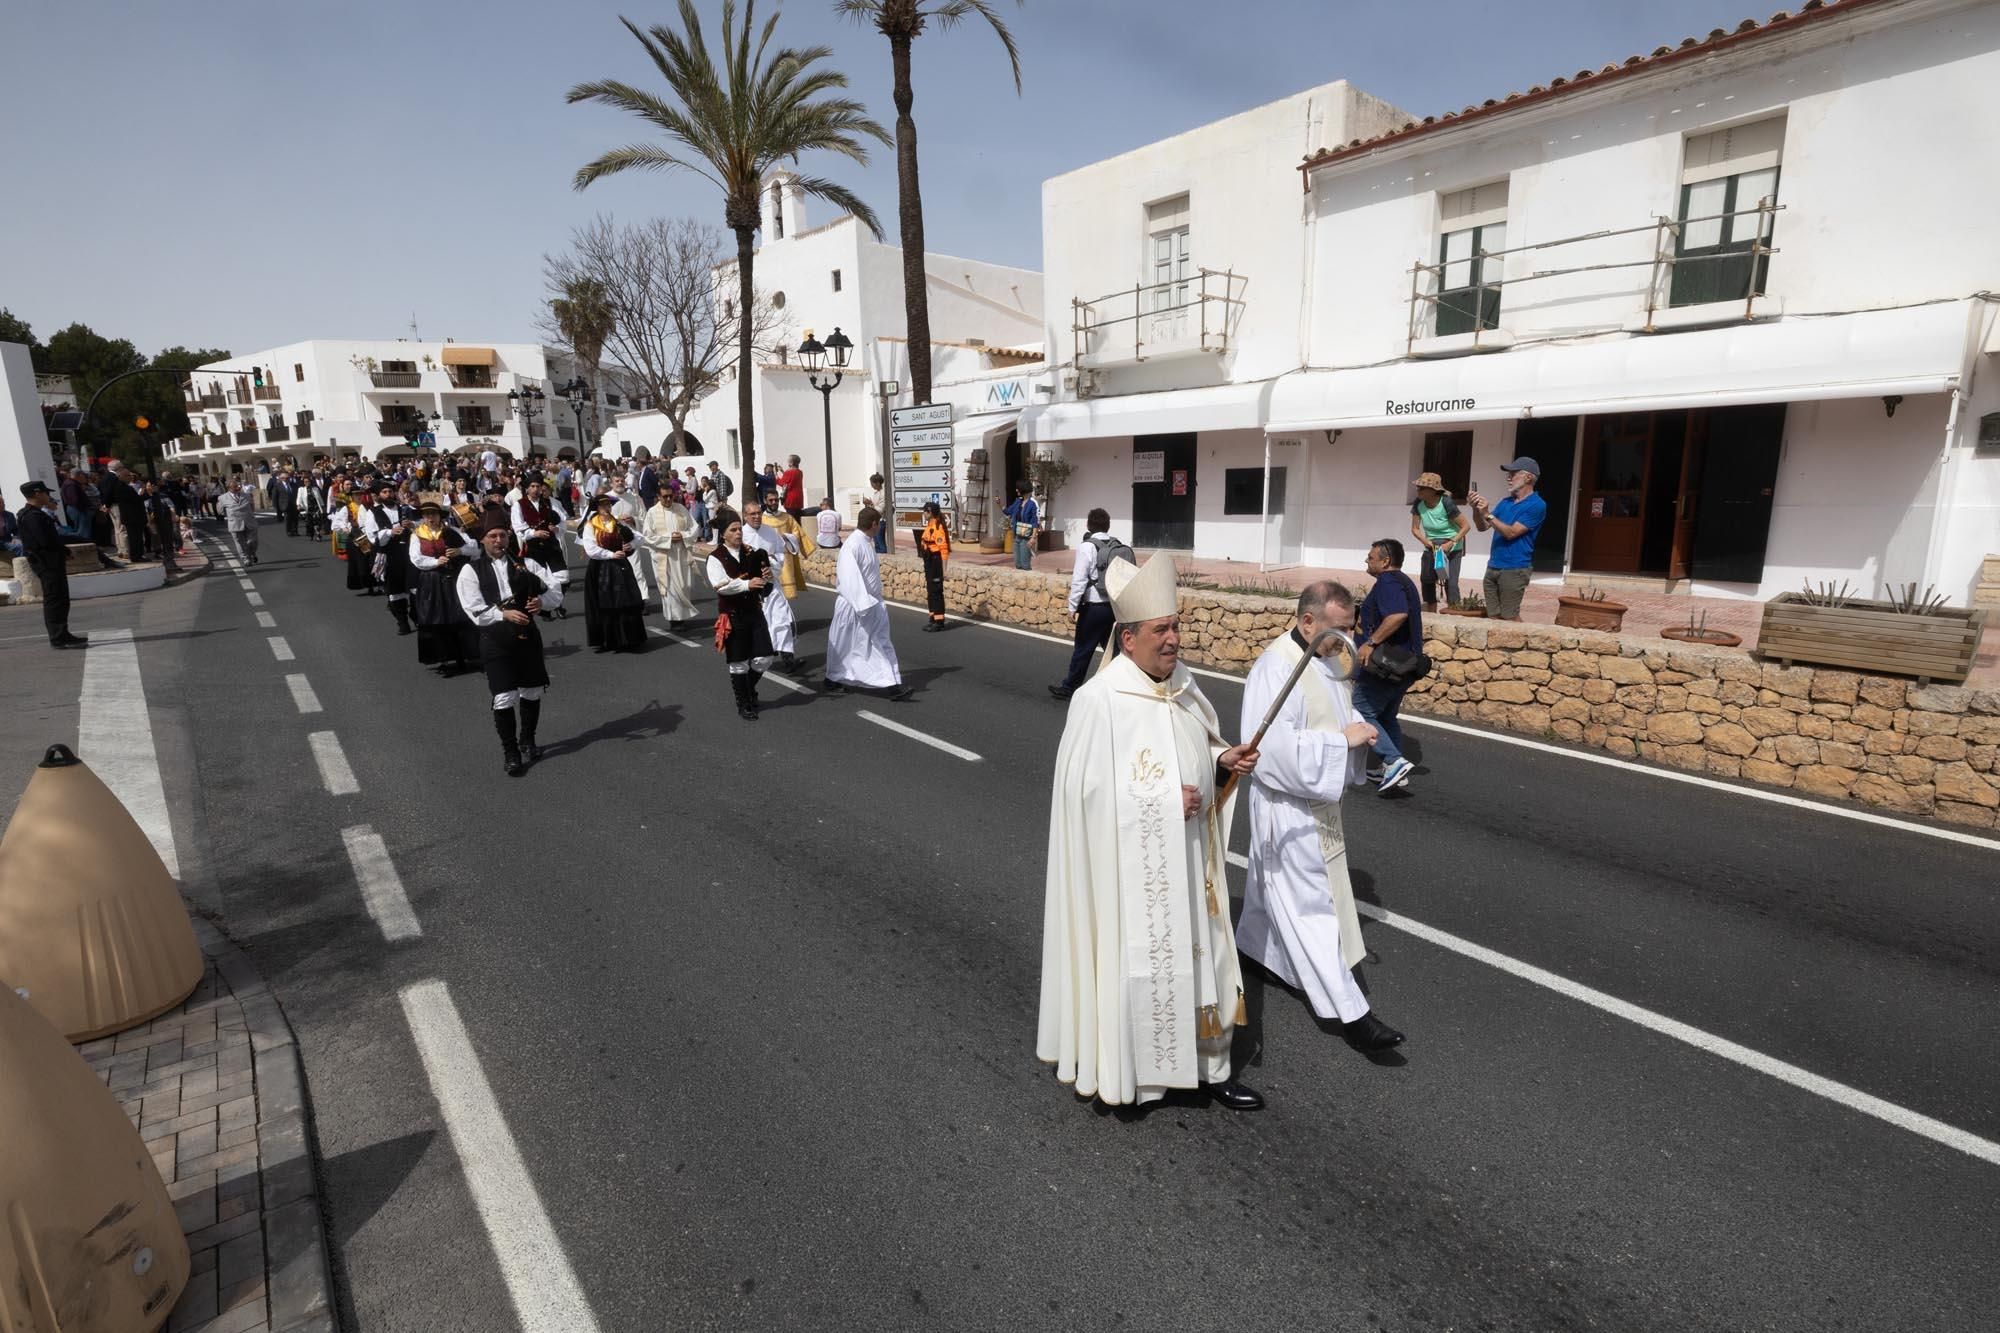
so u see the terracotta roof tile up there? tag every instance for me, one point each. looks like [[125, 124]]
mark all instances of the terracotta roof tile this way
[[1689, 46]]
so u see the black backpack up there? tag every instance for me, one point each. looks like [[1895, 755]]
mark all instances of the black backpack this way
[[1109, 548]]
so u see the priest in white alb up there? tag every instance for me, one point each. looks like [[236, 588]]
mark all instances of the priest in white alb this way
[[1298, 907], [858, 650], [1141, 991]]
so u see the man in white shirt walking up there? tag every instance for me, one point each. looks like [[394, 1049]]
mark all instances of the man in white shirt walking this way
[[1089, 603]]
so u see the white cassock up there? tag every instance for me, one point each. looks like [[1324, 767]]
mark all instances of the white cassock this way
[[778, 607], [673, 565], [1298, 907], [858, 650], [627, 511], [1140, 984]]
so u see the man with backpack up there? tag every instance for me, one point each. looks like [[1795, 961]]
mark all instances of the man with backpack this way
[[1390, 635], [1089, 602]]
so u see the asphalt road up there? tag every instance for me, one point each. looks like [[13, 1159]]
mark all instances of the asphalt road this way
[[757, 1002]]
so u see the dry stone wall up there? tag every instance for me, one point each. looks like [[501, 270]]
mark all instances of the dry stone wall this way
[[1882, 740]]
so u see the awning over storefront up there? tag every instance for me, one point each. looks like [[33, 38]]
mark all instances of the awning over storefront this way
[[1223, 407], [1915, 351], [468, 356]]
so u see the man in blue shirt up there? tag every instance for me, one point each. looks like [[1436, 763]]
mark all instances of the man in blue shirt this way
[[1513, 523], [1024, 513], [1391, 616]]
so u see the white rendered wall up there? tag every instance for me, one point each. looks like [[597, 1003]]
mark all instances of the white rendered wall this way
[[24, 438]]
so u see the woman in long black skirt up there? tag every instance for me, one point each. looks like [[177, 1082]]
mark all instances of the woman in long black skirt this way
[[740, 576], [613, 607], [438, 552]]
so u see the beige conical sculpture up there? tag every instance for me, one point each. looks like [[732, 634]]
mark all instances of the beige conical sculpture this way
[[92, 927], [89, 1242]]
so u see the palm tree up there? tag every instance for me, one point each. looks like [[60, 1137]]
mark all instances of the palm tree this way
[[733, 123], [583, 315], [902, 22]]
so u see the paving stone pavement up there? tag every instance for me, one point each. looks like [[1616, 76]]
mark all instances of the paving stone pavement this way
[[214, 1088]]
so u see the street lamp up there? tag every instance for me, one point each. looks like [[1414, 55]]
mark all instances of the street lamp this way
[[815, 357], [578, 394], [526, 404]]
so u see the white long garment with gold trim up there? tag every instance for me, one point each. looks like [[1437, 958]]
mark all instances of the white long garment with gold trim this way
[[777, 606], [1298, 906], [673, 565], [1140, 983]]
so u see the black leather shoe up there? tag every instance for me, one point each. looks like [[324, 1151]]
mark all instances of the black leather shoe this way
[[69, 640], [902, 693], [834, 687], [515, 766], [1370, 1034], [1061, 693], [1235, 1096]]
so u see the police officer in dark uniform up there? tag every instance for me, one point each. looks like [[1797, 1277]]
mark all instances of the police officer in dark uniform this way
[[46, 553]]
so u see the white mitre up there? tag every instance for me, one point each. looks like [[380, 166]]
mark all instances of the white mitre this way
[[1142, 592]]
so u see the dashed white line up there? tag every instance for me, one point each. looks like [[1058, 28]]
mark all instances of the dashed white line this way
[[302, 694], [543, 1287], [280, 649], [771, 676], [916, 735], [246, 585], [1804, 1079], [114, 736], [254, 598], [266, 621], [333, 767], [381, 887]]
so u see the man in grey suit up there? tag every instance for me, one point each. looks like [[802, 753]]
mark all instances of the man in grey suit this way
[[239, 513]]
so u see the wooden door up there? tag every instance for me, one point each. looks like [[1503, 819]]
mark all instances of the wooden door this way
[[1611, 499], [1687, 501]]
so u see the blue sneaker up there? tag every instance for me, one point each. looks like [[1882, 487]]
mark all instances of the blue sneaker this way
[[1394, 776]]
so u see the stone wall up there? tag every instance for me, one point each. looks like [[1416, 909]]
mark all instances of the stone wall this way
[[1882, 740]]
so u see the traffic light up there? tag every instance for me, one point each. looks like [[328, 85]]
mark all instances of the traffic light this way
[[142, 422]]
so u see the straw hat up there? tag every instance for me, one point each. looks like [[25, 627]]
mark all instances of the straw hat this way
[[1428, 481]]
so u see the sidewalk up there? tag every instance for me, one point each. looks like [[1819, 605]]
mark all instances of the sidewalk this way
[[214, 1087], [1648, 612]]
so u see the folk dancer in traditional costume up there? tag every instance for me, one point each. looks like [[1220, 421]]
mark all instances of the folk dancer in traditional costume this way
[[1140, 985], [758, 531], [502, 594], [669, 534], [740, 572], [388, 522], [445, 636], [858, 650], [614, 611], [538, 521], [1298, 907], [351, 543]]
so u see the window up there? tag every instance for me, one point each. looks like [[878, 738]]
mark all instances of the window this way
[[611, 400], [1473, 225], [298, 372], [1449, 454], [836, 279], [1243, 490], [396, 367], [1728, 177], [777, 211], [735, 448], [1167, 260]]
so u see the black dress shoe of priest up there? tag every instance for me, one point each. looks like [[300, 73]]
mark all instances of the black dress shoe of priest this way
[[1235, 1096], [1369, 1034]]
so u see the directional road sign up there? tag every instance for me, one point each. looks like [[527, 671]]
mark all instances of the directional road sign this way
[[922, 479], [920, 437], [920, 458], [923, 414]]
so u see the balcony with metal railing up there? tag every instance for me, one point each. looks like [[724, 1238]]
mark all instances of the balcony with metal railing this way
[[473, 378], [304, 430], [397, 427], [237, 398], [265, 393], [1155, 321], [212, 401], [277, 434], [1461, 304], [395, 379], [247, 436]]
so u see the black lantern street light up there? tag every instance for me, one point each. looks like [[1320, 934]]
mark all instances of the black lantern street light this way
[[578, 393], [817, 356], [526, 405]]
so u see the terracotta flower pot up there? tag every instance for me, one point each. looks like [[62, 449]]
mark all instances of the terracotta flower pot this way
[[1715, 637], [1584, 613]]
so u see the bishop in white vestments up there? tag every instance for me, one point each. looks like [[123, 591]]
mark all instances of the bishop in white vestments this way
[[1140, 986], [858, 650], [1298, 906]]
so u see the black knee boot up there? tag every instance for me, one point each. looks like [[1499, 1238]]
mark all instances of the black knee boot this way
[[739, 684], [531, 716], [510, 744], [400, 608], [754, 677]]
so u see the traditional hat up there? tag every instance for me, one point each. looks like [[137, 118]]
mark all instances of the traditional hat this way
[[1428, 481], [30, 489], [604, 498], [1142, 592], [430, 500], [495, 523]]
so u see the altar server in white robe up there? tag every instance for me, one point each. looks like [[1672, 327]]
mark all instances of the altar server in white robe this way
[[858, 650], [1141, 990], [1298, 906], [777, 606]]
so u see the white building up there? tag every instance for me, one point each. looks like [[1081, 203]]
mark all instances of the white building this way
[[363, 400], [1729, 294], [985, 326]]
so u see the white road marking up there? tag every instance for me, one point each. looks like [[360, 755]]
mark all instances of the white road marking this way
[[302, 694], [916, 735], [539, 1279], [115, 737], [246, 585], [381, 887], [332, 761], [1852, 1098], [771, 676], [265, 620], [280, 649], [254, 598], [1625, 765]]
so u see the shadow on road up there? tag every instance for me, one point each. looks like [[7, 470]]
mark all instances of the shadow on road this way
[[650, 722]]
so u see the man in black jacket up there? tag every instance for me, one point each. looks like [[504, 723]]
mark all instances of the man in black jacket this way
[[46, 552]]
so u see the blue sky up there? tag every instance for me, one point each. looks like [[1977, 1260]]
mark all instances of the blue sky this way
[[220, 173]]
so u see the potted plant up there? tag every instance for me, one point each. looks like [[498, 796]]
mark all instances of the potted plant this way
[[1049, 473], [1699, 632], [1472, 604], [1589, 609], [1909, 634]]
